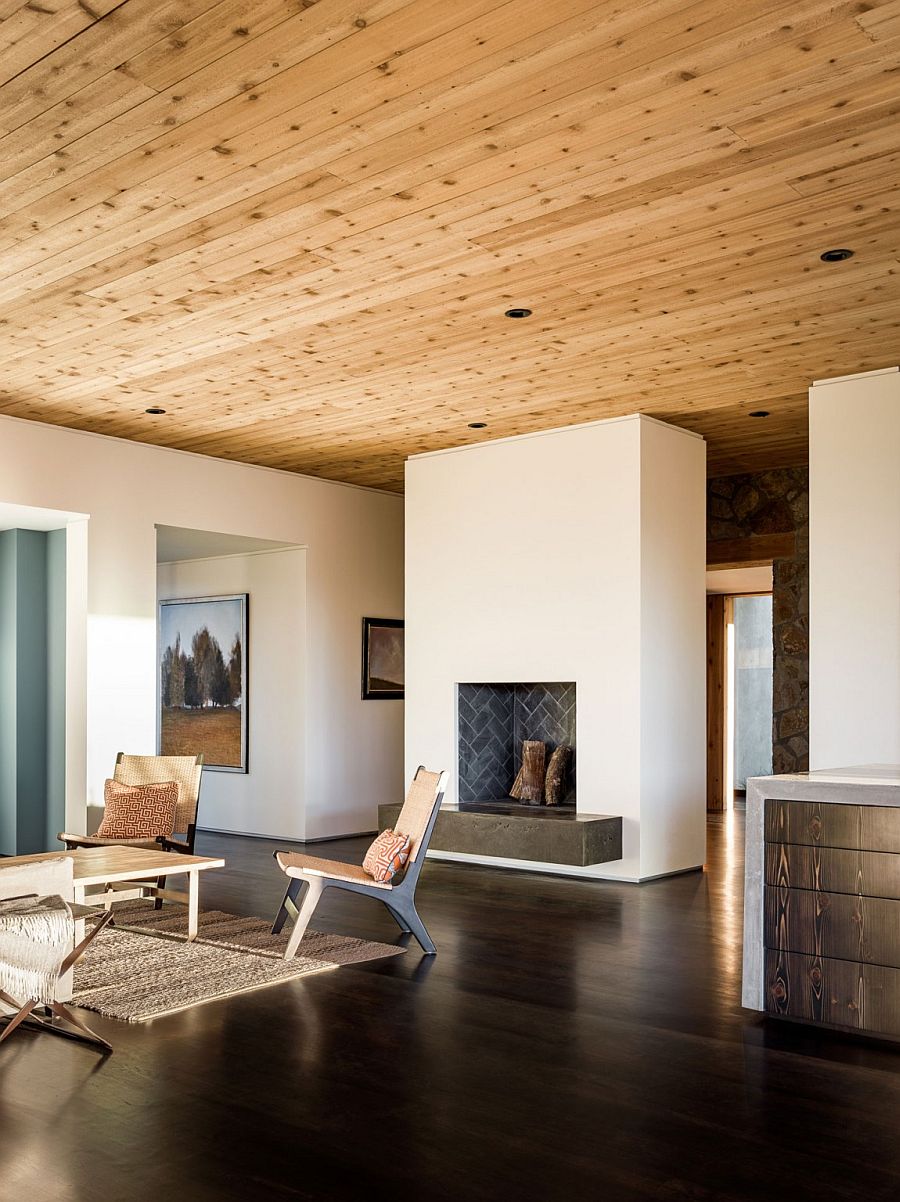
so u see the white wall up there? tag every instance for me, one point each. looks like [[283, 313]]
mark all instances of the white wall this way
[[673, 649], [76, 670], [535, 558], [854, 552], [269, 799], [354, 541]]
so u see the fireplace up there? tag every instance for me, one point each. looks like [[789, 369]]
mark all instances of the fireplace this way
[[493, 721]]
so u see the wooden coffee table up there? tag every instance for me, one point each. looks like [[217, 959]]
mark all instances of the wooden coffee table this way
[[113, 865], [96, 867]]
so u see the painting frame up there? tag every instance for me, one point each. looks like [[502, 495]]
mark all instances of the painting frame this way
[[371, 691], [242, 628]]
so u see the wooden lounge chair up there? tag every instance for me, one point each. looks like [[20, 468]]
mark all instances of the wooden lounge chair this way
[[416, 819], [186, 771]]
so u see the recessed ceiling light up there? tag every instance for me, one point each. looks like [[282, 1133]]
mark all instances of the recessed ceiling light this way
[[154, 410], [517, 313], [477, 425], [760, 413], [836, 256]]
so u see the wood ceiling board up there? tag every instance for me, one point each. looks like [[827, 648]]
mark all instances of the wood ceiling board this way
[[257, 236], [699, 315], [31, 31], [68, 199], [657, 183], [215, 103], [881, 22]]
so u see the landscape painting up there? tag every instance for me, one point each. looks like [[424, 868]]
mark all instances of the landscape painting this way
[[382, 674], [203, 680]]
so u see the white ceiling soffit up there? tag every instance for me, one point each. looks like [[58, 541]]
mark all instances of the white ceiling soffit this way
[[177, 543], [739, 580], [29, 517]]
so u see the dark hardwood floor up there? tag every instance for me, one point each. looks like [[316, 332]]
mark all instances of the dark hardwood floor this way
[[571, 1040]]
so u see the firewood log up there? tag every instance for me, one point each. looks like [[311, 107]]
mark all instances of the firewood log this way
[[556, 780], [529, 784]]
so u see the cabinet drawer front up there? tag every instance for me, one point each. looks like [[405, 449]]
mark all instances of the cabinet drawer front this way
[[863, 997], [867, 828], [840, 925], [833, 869]]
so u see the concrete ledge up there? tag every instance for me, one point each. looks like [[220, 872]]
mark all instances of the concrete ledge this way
[[523, 833]]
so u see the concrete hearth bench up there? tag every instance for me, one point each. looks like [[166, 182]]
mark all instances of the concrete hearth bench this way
[[544, 835]]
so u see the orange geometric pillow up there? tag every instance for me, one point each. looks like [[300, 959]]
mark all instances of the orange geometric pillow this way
[[138, 811], [387, 855]]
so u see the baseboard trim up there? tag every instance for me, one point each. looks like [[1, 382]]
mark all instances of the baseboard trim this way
[[664, 876], [334, 838], [214, 830], [570, 872]]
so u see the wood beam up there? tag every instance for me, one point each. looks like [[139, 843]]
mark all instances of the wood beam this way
[[758, 550]]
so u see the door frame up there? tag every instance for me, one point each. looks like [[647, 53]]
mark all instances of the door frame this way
[[719, 617]]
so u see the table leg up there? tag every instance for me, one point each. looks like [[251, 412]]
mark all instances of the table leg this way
[[193, 902], [79, 899]]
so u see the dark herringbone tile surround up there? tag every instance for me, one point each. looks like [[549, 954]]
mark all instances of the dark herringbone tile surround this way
[[495, 719]]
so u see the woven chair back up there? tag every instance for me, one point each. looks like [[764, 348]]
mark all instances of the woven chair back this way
[[185, 770], [418, 808]]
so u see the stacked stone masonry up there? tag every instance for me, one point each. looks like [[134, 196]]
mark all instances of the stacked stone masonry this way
[[776, 502]]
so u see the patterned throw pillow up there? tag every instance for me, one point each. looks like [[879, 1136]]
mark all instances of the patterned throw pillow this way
[[387, 855], [138, 811]]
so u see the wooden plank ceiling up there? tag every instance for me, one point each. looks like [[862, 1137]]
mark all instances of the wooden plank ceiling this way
[[296, 225]]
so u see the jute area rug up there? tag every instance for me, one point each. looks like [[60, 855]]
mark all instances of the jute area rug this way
[[143, 967]]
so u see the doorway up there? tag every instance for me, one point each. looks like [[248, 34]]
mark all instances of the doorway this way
[[43, 616], [739, 682], [266, 798]]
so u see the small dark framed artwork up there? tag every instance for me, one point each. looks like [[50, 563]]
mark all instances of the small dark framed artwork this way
[[382, 659]]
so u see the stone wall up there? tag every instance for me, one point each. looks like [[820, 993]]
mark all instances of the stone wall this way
[[776, 502]]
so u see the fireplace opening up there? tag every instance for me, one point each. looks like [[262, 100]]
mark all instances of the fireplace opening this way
[[495, 722]]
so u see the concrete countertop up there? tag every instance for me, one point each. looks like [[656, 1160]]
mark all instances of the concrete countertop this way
[[862, 784]]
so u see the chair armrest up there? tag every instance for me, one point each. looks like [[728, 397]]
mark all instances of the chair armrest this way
[[73, 842], [169, 844]]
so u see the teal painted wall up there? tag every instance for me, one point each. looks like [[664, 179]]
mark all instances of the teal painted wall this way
[[55, 809], [8, 611], [32, 689]]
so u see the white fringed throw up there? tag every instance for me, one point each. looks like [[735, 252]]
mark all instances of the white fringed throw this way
[[35, 936]]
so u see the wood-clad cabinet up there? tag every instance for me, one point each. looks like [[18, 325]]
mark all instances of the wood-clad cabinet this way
[[832, 914]]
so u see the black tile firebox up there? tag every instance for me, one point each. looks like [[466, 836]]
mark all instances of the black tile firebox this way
[[494, 720]]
